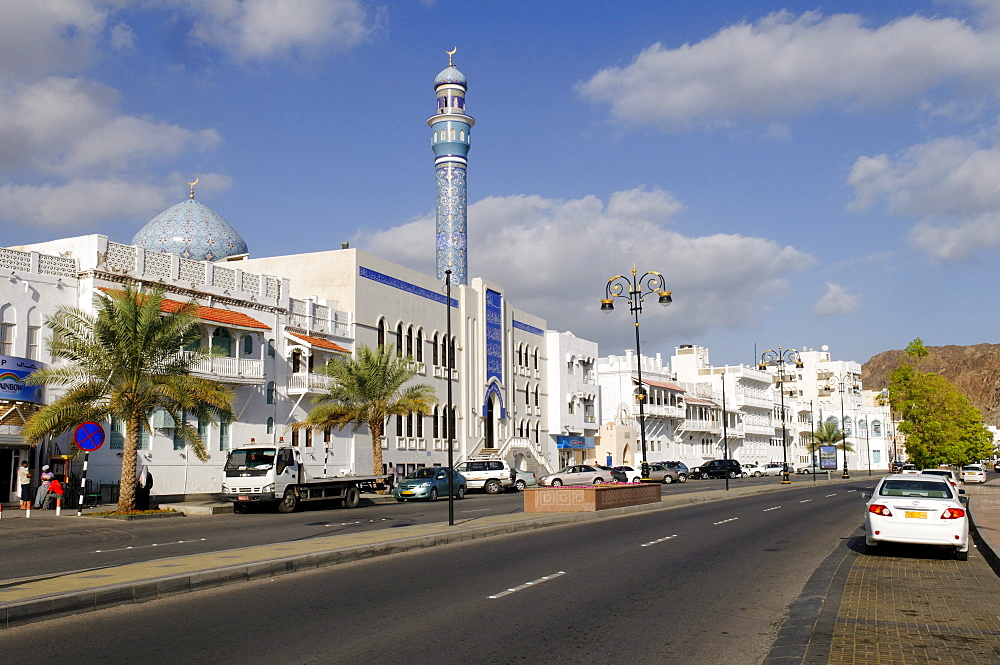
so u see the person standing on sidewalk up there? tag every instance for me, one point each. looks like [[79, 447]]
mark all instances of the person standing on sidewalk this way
[[43, 487], [24, 481]]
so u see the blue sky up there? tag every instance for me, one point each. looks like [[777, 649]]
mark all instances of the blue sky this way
[[802, 174]]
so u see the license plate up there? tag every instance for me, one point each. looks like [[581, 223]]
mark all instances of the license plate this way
[[918, 514], [406, 492], [243, 498]]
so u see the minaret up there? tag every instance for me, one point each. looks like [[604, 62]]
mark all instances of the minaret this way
[[450, 129]]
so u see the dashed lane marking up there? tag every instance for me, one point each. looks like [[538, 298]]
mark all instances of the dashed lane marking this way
[[142, 547], [477, 510], [527, 585], [805, 500], [771, 508], [731, 519], [834, 494], [659, 540]]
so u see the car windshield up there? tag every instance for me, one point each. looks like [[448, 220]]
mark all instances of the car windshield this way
[[426, 472], [926, 489], [242, 460]]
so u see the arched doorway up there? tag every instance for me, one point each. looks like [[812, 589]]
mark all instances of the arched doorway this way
[[489, 428]]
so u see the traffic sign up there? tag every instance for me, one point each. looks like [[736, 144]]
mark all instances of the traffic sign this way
[[88, 436]]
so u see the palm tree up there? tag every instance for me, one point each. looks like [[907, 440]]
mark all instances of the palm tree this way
[[123, 362], [366, 390], [828, 433]]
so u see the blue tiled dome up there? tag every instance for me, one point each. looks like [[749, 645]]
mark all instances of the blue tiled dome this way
[[450, 75], [192, 230]]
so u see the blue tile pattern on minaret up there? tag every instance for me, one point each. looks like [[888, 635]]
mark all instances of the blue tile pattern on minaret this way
[[450, 136]]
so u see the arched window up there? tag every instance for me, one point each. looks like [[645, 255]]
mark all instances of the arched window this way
[[7, 326], [833, 421], [536, 395], [409, 425], [434, 351], [270, 392], [451, 354], [222, 342], [451, 134], [434, 424], [270, 348], [862, 426], [444, 350], [409, 342], [381, 333], [848, 425], [224, 435], [876, 428], [451, 422], [420, 424], [399, 425], [399, 340], [535, 357], [247, 345], [420, 345], [270, 425], [461, 135]]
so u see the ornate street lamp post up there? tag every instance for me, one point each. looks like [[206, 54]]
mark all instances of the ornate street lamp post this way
[[634, 290], [842, 382], [778, 359]]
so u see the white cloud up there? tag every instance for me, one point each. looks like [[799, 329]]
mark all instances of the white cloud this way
[[72, 127], [783, 64], [556, 257], [80, 203], [41, 38], [951, 185], [261, 29], [836, 300]]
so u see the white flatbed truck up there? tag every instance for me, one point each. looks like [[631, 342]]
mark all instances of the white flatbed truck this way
[[268, 474]]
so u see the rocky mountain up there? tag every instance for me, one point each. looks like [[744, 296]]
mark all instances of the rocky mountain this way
[[975, 371]]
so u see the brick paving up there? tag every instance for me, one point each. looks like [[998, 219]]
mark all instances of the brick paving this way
[[903, 606]]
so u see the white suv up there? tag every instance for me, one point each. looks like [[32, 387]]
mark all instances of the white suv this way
[[492, 475]]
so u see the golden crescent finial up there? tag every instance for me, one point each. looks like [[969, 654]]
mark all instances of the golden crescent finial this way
[[192, 186], [451, 53]]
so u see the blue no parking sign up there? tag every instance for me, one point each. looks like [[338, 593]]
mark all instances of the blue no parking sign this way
[[88, 436]]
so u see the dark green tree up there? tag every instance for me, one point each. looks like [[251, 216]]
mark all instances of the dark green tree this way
[[940, 424], [124, 362]]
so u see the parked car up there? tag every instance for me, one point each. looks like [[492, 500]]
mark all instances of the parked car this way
[[524, 479], [718, 468], [681, 468], [773, 469], [661, 473], [493, 476], [950, 474], [578, 474], [751, 469], [973, 473], [632, 475], [920, 509], [429, 483], [910, 469], [617, 476], [810, 468]]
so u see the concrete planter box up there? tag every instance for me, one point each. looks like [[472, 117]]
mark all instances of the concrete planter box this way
[[569, 499]]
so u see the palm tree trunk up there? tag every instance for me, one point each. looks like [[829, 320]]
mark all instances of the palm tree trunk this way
[[376, 431], [126, 484]]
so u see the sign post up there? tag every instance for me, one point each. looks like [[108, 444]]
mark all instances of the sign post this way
[[87, 436]]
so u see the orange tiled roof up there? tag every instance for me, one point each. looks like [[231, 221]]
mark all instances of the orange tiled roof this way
[[320, 342], [214, 314], [661, 384], [695, 400]]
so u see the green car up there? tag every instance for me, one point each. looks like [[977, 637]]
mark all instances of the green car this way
[[429, 483]]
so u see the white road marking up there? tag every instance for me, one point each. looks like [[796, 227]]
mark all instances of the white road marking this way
[[805, 500], [527, 585], [477, 510], [852, 490], [731, 519], [834, 494], [653, 542], [772, 508], [141, 547]]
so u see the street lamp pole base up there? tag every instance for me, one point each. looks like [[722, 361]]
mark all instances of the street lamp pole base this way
[[846, 475]]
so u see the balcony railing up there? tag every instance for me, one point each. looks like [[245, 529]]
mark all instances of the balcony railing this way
[[246, 369], [308, 382]]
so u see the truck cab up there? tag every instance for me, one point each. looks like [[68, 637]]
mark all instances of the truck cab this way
[[260, 474]]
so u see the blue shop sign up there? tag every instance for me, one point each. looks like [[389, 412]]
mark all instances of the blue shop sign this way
[[13, 370], [575, 442]]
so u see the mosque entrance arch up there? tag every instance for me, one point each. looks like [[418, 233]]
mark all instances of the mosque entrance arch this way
[[493, 412]]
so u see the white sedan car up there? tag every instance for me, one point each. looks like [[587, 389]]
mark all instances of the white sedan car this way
[[773, 469], [973, 473], [919, 509], [751, 469]]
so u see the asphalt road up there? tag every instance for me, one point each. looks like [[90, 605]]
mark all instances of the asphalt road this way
[[706, 584], [45, 547]]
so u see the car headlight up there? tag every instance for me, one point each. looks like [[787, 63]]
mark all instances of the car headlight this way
[[267, 488], [225, 488]]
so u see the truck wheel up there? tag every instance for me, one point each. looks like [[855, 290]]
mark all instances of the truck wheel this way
[[352, 497], [493, 487], [289, 503]]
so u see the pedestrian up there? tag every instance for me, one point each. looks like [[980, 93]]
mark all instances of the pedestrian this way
[[143, 484], [43, 487], [55, 492], [24, 481]]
